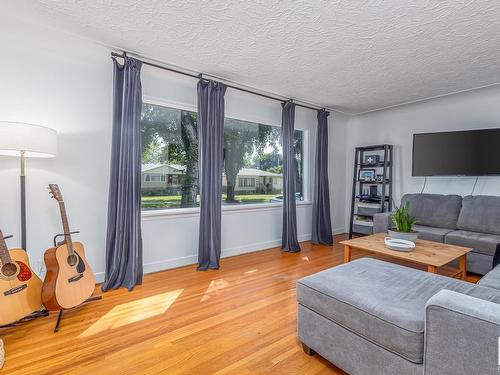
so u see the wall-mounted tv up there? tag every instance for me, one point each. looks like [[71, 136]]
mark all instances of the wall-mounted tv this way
[[466, 153]]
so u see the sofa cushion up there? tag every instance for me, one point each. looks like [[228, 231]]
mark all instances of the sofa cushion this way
[[478, 263], [482, 243], [380, 301], [431, 233], [480, 213], [484, 292], [491, 279], [434, 210]]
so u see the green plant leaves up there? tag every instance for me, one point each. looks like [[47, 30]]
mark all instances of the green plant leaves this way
[[402, 219]]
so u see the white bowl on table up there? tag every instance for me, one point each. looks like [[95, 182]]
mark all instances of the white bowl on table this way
[[399, 244]]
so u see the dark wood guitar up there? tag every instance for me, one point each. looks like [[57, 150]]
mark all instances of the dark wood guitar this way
[[20, 287], [69, 281]]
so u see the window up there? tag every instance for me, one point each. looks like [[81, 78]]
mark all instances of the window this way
[[169, 147], [246, 182], [253, 161]]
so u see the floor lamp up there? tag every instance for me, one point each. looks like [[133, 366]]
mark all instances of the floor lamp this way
[[26, 141]]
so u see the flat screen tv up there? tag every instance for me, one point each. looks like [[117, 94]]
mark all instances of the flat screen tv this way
[[465, 153]]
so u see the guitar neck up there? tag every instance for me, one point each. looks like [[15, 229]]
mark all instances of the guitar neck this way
[[67, 235], [4, 251]]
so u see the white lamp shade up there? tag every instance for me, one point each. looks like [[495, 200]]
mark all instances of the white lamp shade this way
[[36, 141]]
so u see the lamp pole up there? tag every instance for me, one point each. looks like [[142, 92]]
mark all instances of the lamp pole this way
[[26, 140], [23, 202]]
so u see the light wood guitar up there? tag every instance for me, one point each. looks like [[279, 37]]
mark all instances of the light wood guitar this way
[[69, 280], [20, 287]]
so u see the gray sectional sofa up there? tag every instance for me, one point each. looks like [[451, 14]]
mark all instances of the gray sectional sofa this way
[[372, 317], [471, 221]]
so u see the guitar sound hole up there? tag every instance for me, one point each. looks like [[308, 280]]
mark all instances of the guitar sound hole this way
[[9, 269], [72, 260]]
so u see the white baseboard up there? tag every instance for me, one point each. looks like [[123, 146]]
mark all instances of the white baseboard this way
[[160, 265], [339, 230], [166, 264], [99, 277], [257, 246]]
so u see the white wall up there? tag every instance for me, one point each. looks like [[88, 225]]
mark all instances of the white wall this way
[[64, 82], [472, 110], [52, 79]]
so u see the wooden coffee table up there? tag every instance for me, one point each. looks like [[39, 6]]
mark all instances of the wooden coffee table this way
[[428, 253]]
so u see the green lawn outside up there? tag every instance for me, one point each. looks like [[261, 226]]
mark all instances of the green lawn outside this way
[[174, 201]]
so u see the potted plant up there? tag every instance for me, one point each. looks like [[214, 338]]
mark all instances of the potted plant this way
[[403, 222]]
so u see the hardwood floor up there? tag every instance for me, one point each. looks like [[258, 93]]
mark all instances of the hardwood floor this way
[[240, 320]]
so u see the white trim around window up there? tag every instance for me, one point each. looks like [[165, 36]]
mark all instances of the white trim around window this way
[[227, 209], [149, 215]]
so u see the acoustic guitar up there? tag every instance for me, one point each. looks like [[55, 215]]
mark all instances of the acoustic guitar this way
[[20, 287], [69, 280]]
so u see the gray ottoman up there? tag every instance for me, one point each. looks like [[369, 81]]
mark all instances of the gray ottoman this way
[[368, 316]]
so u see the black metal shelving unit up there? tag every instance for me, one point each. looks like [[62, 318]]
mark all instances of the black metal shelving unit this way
[[364, 203]]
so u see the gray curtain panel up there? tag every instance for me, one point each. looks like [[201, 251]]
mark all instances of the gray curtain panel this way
[[211, 144], [321, 222], [124, 241], [289, 240]]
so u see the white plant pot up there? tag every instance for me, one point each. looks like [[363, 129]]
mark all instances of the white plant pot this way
[[408, 236]]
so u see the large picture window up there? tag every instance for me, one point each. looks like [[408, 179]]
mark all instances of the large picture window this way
[[253, 161]]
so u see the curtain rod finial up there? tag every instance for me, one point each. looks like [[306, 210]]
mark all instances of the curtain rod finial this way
[[121, 55]]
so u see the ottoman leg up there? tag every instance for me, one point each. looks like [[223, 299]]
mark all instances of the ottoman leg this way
[[307, 350]]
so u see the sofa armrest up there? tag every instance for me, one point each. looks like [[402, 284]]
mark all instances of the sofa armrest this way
[[491, 279], [461, 335], [382, 222]]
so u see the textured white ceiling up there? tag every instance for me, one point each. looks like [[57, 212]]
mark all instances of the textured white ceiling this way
[[353, 55]]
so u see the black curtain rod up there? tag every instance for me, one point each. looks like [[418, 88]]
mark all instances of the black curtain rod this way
[[198, 76]]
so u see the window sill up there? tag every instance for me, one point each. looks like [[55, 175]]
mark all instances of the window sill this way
[[229, 209]]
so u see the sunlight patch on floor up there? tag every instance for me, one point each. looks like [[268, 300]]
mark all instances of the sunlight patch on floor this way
[[131, 312], [214, 289], [250, 272], [306, 258]]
